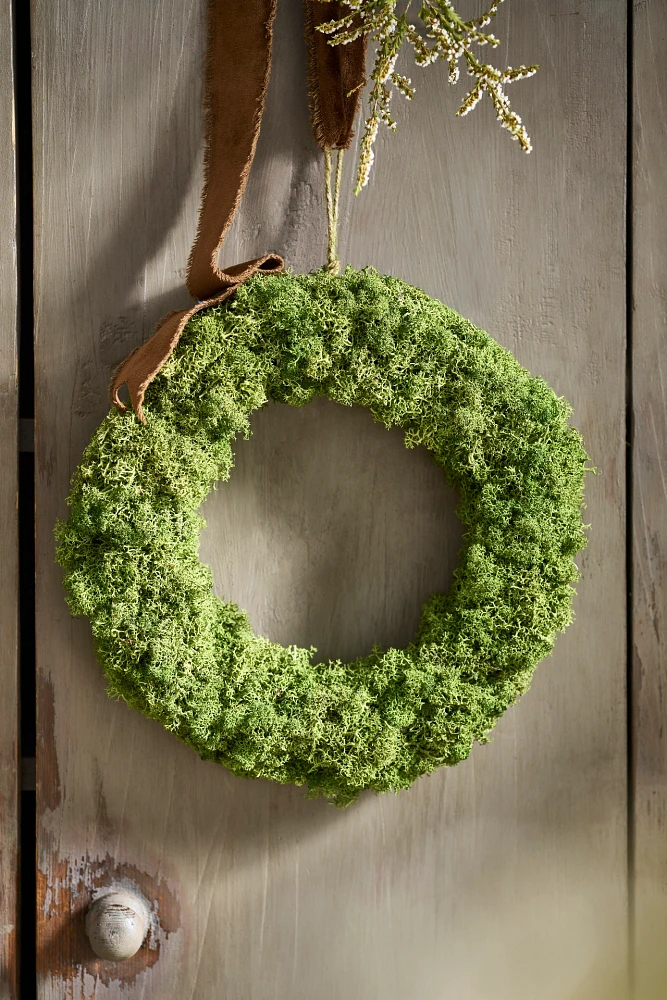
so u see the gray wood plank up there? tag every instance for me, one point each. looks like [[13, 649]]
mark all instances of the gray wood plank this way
[[649, 329], [505, 877], [9, 769]]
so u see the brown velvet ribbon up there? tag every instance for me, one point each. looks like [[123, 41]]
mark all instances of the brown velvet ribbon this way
[[336, 77], [238, 61]]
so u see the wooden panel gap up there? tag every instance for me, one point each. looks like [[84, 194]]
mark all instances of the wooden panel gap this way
[[28, 774], [629, 522], [26, 434], [26, 500], [647, 504], [9, 721]]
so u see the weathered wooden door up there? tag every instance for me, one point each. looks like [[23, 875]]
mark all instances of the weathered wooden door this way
[[537, 869]]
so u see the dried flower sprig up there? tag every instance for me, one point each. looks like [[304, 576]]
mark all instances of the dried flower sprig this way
[[446, 36]]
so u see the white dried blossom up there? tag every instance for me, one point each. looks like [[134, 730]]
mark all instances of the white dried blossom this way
[[445, 35]]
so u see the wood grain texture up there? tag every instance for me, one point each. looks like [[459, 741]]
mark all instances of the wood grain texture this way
[[505, 877], [9, 763], [649, 331]]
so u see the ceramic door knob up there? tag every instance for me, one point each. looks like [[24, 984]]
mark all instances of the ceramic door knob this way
[[116, 925]]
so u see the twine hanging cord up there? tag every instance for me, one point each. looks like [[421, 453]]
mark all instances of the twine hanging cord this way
[[332, 192], [336, 77]]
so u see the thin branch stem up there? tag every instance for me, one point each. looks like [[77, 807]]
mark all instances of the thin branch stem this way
[[446, 35]]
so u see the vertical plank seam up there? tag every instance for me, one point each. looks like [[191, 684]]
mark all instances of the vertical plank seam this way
[[629, 510], [27, 836], [9, 748]]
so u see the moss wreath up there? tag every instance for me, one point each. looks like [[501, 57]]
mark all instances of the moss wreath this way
[[182, 656]]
